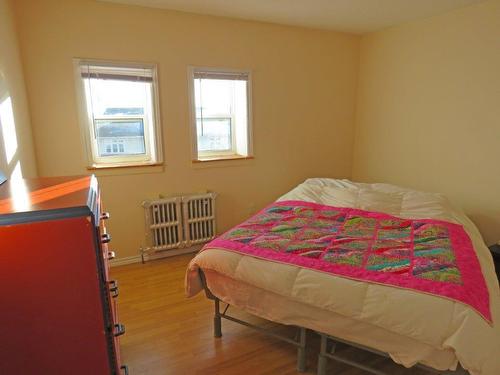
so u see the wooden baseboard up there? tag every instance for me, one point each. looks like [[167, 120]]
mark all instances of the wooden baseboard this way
[[126, 260], [153, 256]]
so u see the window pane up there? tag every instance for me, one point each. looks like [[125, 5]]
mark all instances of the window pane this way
[[129, 134], [214, 103], [114, 98], [214, 97], [214, 134]]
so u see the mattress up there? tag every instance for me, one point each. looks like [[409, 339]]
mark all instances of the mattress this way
[[410, 326]]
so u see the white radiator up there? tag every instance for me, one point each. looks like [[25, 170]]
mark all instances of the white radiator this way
[[164, 221], [179, 222], [198, 212]]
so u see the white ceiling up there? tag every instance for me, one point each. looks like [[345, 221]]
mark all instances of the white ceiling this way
[[356, 16]]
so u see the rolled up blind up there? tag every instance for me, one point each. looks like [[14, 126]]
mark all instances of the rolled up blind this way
[[120, 73], [233, 76]]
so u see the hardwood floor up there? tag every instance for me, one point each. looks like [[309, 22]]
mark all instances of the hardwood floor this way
[[166, 333]]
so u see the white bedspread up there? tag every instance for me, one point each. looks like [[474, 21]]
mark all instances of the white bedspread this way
[[419, 327]]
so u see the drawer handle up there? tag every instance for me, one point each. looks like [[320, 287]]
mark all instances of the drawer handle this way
[[105, 238], [119, 329], [111, 255], [105, 216], [113, 288], [124, 368]]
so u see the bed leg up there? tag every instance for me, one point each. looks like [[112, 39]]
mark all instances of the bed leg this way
[[301, 351], [322, 359], [217, 319]]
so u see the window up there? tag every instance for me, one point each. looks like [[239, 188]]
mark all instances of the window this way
[[119, 113], [221, 112]]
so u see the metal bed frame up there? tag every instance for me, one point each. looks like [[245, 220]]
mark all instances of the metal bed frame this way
[[328, 344], [326, 353], [299, 341]]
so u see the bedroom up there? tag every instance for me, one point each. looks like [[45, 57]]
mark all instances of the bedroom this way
[[405, 93]]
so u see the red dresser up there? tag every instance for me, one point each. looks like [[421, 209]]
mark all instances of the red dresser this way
[[57, 304]]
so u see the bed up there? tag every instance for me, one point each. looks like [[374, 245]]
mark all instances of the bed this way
[[410, 326]]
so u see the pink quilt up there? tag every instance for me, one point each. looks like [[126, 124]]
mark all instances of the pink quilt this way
[[430, 256]]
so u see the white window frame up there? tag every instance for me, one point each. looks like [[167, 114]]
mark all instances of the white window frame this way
[[223, 154], [151, 120]]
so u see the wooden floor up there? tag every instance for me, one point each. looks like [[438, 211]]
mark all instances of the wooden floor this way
[[166, 333]]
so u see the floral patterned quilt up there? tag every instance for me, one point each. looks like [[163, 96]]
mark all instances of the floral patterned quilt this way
[[429, 256]]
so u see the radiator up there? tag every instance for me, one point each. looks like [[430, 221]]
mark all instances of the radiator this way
[[164, 221], [198, 212], [179, 222]]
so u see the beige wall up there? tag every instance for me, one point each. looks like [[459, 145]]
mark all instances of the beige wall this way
[[304, 85], [428, 110], [13, 100]]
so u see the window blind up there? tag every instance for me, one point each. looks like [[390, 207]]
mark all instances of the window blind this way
[[236, 76], [139, 74]]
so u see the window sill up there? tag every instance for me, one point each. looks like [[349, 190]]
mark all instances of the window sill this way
[[221, 158], [104, 170], [114, 166]]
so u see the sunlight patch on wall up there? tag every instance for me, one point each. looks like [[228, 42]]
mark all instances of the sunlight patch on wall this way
[[20, 199], [8, 126], [17, 173]]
